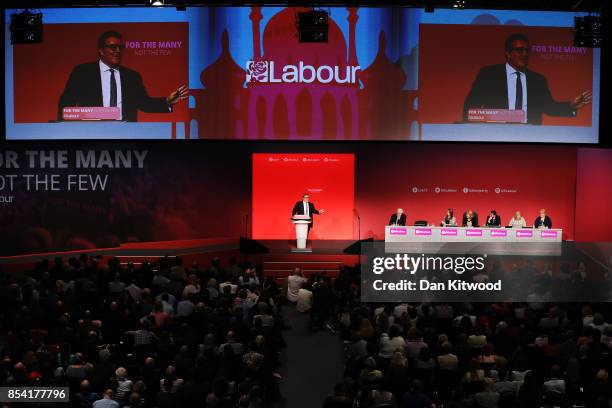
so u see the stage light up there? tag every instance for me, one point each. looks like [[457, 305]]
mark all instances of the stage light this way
[[459, 4], [156, 3], [26, 28], [588, 31], [313, 26]]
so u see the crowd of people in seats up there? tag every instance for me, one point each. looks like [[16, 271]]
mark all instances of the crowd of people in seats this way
[[472, 355], [155, 335]]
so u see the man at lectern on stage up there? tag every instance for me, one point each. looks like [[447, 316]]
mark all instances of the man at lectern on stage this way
[[305, 207]]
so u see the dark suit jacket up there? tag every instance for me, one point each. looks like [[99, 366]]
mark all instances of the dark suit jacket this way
[[490, 90], [298, 209], [538, 222], [402, 220], [474, 220], [494, 223], [84, 88]]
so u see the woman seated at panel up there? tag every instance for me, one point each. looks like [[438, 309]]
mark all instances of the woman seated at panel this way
[[449, 219], [517, 221]]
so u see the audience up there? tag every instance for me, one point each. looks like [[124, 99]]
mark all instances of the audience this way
[[118, 337], [168, 335]]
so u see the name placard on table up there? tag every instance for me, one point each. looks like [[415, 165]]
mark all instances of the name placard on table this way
[[461, 234]]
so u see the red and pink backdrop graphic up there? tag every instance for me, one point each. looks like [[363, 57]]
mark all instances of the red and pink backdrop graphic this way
[[280, 180]]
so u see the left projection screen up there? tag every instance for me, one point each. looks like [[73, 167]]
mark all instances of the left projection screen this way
[[280, 180]]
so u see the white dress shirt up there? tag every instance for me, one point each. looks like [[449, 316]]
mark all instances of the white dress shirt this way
[[306, 208], [520, 223], [511, 78], [105, 77]]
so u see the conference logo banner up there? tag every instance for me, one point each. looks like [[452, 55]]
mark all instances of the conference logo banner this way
[[454, 272], [268, 72]]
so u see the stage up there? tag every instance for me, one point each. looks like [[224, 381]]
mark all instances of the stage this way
[[327, 256]]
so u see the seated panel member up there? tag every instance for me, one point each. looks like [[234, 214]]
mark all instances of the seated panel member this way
[[399, 218], [493, 220], [470, 219], [449, 219], [517, 221], [543, 220]]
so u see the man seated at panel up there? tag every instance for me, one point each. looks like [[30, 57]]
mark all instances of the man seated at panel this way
[[399, 218], [543, 220], [493, 220], [470, 219]]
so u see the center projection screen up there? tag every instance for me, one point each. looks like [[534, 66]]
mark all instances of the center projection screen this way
[[385, 74]]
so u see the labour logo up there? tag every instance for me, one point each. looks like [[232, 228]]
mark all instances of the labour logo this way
[[257, 71]]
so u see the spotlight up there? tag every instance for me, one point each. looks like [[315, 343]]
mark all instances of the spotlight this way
[[588, 31], [459, 4], [313, 26], [155, 3], [26, 28]]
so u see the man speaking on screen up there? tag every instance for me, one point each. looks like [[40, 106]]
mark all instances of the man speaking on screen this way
[[513, 86], [106, 83], [305, 207]]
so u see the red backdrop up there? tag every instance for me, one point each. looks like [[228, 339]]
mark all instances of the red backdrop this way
[[594, 195], [528, 178], [280, 180], [447, 68], [41, 70]]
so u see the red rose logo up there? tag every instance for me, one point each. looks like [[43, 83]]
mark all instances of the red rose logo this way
[[257, 71]]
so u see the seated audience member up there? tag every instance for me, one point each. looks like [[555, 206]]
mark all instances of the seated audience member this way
[[543, 220], [473, 379], [488, 397], [85, 397], [493, 220], [399, 218], [304, 300], [470, 219], [123, 386], [340, 398], [555, 384], [294, 284], [416, 396], [449, 219], [106, 401], [517, 221]]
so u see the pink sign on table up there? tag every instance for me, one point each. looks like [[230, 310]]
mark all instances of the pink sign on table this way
[[448, 232], [496, 115], [91, 113], [499, 233], [398, 231], [473, 233], [549, 234], [524, 234], [422, 231]]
